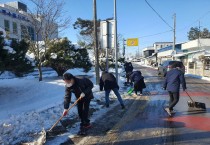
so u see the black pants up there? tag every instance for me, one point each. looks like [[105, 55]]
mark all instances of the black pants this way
[[138, 86], [128, 76], [174, 99], [83, 110]]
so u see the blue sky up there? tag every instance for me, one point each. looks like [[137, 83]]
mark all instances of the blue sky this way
[[137, 19]]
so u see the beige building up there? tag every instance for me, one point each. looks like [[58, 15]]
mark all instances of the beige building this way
[[196, 57]]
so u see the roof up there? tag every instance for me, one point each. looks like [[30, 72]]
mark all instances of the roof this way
[[162, 42], [184, 54], [177, 47]]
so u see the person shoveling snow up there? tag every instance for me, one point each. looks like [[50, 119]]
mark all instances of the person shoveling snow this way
[[81, 87]]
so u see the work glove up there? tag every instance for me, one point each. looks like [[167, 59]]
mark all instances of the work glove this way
[[65, 112], [82, 95]]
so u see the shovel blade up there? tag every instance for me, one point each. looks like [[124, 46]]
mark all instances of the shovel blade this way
[[41, 140], [197, 105]]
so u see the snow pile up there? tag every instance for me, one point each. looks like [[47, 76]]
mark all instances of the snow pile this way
[[198, 77], [7, 75], [80, 72]]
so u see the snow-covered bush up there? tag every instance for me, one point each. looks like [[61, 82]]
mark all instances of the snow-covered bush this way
[[61, 55], [13, 57]]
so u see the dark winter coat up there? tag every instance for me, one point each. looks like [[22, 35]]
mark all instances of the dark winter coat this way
[[136, 76], [128, 67], [138, 80], [108, 81], [173, 79], [82, 85]]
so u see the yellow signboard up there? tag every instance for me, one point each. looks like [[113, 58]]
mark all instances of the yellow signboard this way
[[133, 42]]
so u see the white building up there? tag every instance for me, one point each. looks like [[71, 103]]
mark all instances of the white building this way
[[193, 52], [148, 51], [16, 21], [159, 45]]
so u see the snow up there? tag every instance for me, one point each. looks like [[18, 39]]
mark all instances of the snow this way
[[27, 105], [4, 32], [80, 72], [30, 57], [7, 75], [198, 77], [7, 42], [9, 49], [54, 56]]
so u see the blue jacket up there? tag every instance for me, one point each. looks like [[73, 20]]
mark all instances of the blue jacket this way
[[173, 79]]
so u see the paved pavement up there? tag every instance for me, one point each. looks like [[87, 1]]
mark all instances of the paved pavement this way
[[146, 123]]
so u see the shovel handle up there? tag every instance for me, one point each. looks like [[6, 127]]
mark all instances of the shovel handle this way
[[63, 116], [189, 96]]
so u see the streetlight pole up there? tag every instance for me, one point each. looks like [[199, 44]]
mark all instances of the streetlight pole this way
[[96, 42], [115, 39]]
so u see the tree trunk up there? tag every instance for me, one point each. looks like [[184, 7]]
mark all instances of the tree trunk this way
[[40, 71], [60, 71]]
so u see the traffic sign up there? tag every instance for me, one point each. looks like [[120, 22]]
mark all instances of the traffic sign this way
[[133, 42]]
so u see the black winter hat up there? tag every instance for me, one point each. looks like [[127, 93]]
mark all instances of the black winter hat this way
[[67, 76]]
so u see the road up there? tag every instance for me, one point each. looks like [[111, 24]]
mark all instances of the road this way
[[144, 122]]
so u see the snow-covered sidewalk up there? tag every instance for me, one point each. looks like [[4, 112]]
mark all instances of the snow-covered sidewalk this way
[[27, 105]]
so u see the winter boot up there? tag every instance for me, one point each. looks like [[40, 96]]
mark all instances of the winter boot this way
[[122, 106], [82, 131]]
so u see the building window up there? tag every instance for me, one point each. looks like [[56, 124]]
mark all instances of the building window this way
[[31, 32], [24, 32], [14, 24], [191, 65], [6, 25], [207, 64]]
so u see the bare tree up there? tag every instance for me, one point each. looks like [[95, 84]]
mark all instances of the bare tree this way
[[48, 19]]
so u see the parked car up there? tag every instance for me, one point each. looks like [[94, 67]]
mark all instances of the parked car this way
[[167, 65]]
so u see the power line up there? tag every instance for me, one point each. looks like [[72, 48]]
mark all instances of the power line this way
[[158, 14], [177, 30], [155, 34], [194, 21]]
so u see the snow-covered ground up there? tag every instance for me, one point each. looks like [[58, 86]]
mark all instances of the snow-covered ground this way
[[198, 77], [27, 105]]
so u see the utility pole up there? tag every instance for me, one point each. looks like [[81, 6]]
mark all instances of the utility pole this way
[[115, 39], [107, 46], [123, 48], [96, 42], [199, 34], [174, 42]]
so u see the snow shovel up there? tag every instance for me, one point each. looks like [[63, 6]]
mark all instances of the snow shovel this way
[[130, 91], [63, 116], [42, 138], [195, 104]]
